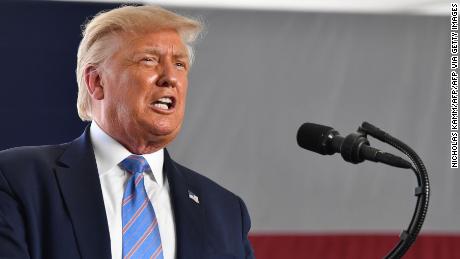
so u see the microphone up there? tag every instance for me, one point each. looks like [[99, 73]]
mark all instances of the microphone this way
[[354, 148]]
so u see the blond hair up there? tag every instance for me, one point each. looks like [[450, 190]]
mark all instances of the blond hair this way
[[97, 33]]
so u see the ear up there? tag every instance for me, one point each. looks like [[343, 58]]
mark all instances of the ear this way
[[94, 83]]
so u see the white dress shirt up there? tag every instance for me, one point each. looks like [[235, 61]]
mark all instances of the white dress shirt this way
[[109, 153]]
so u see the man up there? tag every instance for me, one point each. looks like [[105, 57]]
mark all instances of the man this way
[[114, 192]]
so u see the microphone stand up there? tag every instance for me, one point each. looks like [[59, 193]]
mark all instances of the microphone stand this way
[[422, 191]]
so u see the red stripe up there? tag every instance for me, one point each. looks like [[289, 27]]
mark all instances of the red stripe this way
[[139, 242], [151, 244], [127, 199], [157, 252], [138, 179], [135, 216], [352, 246]]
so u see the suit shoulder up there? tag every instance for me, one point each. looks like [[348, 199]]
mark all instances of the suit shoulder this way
[[19, 157]]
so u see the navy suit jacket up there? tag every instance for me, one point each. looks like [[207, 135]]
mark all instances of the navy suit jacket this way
[[51, 206]]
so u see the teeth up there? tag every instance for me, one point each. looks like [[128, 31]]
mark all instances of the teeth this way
[[165, 100], [161, 106], [164, 103]]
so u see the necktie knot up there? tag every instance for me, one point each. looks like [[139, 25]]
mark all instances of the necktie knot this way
[[135, 164]]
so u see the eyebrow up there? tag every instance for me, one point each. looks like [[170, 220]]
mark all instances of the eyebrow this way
[[155, 51]]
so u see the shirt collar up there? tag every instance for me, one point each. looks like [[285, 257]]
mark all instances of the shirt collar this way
[[109, 153]]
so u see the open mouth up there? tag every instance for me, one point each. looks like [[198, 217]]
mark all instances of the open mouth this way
[[165, 103]]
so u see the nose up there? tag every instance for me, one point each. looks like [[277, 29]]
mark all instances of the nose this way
[[167, 77]]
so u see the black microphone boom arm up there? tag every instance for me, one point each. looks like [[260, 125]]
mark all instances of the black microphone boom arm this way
[[355, 148]]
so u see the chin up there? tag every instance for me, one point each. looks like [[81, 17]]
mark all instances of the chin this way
[[164, 125], [166, 131]]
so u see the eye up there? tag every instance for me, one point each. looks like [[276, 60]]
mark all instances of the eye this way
[[181, 65], [149, 60]]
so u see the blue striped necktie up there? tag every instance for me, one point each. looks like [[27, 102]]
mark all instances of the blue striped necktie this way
[[141, 235]]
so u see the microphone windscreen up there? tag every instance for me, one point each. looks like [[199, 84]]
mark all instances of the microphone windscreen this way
[[313, 137]]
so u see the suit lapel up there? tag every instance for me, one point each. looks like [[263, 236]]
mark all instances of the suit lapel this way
[[79, 182], [188, 213]]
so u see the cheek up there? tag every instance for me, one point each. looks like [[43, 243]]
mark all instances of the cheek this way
[[116, 89], [132, 91], [150, 78], [183, 90]]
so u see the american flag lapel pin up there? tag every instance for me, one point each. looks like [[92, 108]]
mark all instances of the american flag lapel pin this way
[[192, 196]]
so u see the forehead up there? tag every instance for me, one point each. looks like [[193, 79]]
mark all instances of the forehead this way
[[159, 41]]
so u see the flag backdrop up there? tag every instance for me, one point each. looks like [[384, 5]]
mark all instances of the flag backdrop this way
[[258, 76]]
